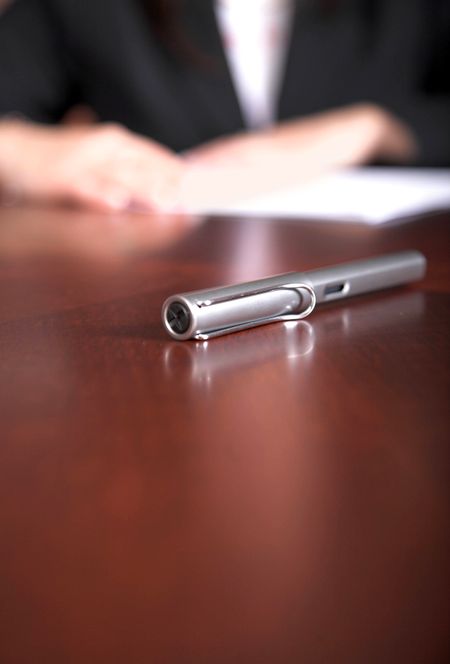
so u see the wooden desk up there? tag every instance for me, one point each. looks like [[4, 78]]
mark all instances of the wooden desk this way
[[275, 496]]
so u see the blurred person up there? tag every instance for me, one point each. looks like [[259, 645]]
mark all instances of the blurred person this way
[[275, 88]]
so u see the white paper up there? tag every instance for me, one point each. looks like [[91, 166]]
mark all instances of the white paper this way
[[370, 195]]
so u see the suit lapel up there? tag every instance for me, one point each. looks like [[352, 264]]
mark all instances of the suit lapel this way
[[289, 86], [215, 98]]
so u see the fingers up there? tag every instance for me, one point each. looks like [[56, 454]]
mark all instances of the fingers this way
[[132, 174], [224, 152], [151, 180], [142, 174], [101, 197], [114, 196], [103, 167]]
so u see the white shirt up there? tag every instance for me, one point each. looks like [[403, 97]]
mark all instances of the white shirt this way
[[255, 34]]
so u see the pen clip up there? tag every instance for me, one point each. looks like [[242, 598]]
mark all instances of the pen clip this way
[[298, 287]]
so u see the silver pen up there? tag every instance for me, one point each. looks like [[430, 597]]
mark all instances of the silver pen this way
[[209, 313]]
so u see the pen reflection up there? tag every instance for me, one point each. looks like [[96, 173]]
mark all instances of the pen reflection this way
[[357, 318], [209, 360], [252, 477], [280, 476], [204, 362]]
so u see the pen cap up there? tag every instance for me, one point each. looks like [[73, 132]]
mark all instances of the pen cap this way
[[208, 313]]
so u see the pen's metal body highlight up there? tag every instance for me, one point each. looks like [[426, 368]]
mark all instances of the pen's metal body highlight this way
[[212, 312]]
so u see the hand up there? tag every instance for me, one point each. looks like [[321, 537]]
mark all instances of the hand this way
[[245, 165], [349, 136], [102, 167]]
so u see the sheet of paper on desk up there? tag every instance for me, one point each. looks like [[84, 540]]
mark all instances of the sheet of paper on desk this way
[[371, 195]]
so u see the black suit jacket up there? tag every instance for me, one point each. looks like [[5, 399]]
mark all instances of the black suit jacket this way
[[105, 53]]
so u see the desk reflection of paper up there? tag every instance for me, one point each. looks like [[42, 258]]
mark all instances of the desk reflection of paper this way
[[371, 195]]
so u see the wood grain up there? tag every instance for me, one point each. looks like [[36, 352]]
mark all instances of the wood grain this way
[[278, 495]]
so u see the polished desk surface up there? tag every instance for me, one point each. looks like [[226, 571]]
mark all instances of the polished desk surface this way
[[277, 495]]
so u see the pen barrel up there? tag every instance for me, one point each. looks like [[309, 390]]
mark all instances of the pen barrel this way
[[364, 276]]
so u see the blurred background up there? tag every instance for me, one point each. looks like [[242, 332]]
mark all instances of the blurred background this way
[[192, 107]]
